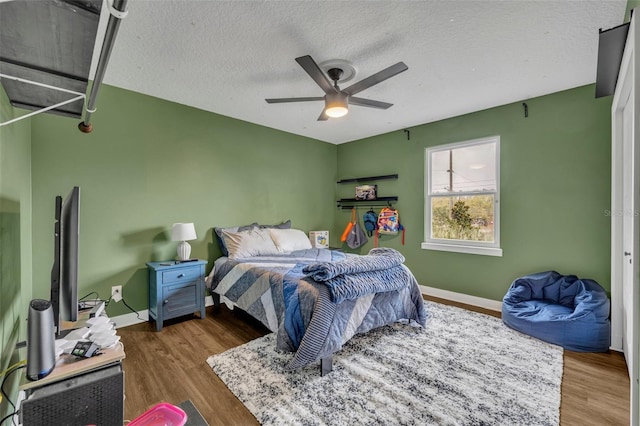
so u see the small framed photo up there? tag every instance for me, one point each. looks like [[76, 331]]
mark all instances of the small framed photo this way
[[366, 192]]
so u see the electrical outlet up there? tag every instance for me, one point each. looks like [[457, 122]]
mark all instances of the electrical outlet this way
[[116, 293]]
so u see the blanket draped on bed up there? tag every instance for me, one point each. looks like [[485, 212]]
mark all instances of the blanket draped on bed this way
[[379, 258], [379, 271], [276, 291]]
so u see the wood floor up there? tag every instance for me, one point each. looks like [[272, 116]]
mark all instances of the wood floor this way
[[170, 366]]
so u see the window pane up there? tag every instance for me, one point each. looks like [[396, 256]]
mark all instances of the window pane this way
[[468, 218], [465, 169]]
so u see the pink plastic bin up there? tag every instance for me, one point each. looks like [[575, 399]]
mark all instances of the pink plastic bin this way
[[162, 414]]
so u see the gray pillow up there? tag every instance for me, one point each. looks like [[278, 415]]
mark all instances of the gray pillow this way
[[223, 246], [283, 225], [218, 233]]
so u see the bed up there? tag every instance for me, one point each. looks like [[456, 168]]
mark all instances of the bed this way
[[299, 292]]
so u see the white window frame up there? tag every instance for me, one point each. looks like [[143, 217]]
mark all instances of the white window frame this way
[[463, 246]]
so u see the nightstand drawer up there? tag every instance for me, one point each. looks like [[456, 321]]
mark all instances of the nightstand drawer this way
[[182, 274]]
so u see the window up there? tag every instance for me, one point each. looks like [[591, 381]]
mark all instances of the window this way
[[462, 211]]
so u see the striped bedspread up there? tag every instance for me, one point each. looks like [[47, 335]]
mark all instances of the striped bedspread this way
[[276, 291]]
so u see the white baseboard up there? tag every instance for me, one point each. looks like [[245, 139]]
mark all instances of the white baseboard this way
[[493, 305], [616, 342], [126, 320]]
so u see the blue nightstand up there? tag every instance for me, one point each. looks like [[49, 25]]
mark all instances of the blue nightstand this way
[[175, 289]]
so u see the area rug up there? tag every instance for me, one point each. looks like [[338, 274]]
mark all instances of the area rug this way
[[464, 368]]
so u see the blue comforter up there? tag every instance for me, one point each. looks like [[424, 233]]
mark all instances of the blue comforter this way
[[379, 271], [276, 291]]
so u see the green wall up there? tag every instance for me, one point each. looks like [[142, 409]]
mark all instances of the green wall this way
[[631, 4], [149, 163], [15, 238], [555, 189]]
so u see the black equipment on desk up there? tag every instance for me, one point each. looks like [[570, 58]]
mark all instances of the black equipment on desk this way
[[85, 349], [41, 346], [92, 398]]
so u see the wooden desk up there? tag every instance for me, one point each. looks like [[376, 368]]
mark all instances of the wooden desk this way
[[69, 366]]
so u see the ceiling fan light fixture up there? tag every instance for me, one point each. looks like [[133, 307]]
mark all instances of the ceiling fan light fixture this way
[[336, 105]]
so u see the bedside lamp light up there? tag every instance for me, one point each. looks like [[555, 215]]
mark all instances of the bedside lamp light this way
[[183, 232]]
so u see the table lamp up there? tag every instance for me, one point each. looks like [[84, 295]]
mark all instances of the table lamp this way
[[183, 232]]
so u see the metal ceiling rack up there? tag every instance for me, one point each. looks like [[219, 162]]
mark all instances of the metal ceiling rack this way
[[77, 97], [34, 66], [117, 12]]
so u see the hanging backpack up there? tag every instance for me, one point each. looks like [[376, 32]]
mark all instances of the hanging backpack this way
[[388, 223], [349, 226], [370, 220]]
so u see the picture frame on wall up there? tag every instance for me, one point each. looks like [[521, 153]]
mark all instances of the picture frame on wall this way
[[366, 192]]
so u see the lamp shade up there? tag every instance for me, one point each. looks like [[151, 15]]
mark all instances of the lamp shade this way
[[183, 232]]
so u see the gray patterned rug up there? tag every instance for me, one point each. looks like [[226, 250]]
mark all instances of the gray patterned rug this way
[[465, 368]]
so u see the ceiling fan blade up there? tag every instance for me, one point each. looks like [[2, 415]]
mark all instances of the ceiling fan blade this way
[[283, 100], [376, 78], [323, 116], [369, 103], [309, 65]]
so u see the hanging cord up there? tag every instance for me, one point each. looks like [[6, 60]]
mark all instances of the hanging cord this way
[[85, 304], [93, 292], [15, 367], [106, 303], [17, 364], [132, 310]]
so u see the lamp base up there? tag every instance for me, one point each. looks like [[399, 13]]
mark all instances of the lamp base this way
[[184, 250]]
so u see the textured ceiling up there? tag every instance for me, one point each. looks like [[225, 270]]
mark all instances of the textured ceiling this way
[[463, 56]]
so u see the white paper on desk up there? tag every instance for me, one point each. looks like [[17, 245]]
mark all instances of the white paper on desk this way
[[102, 335], [107, 341], [97, 320], [65, 346], [78, 334], [99, 328]]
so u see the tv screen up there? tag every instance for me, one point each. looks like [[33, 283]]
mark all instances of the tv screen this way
[[64, 274]]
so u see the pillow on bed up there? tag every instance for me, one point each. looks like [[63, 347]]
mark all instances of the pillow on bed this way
[[253, 242], [283, 225], [218, 233], [288, 240]]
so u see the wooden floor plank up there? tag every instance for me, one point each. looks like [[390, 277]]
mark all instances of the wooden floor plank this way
[[170, 366]]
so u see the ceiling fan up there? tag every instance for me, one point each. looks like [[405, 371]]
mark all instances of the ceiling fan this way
[[337, 100]]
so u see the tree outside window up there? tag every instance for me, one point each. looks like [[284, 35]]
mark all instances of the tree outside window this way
[[462, 189]]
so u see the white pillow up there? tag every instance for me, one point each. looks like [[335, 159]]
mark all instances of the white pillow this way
[[288, 240], [253, 242]]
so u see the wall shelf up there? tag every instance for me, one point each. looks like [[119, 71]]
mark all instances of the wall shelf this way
[[348, 203], [367, 179]]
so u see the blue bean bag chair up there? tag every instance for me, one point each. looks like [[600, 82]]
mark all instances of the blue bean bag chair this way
[[559, 309]]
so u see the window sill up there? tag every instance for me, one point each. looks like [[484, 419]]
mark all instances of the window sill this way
[[456, 248]]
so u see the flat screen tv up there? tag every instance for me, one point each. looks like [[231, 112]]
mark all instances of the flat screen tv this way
[[64, 273]]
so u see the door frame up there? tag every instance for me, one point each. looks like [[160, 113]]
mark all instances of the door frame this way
[[626, 86]]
